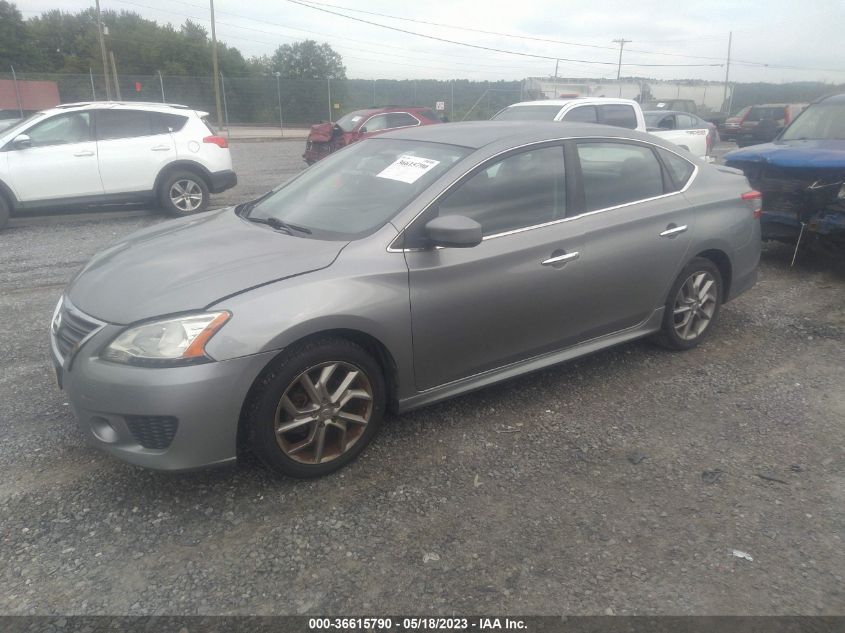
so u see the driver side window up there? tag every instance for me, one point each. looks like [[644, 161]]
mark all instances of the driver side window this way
[[73, 127], [518, 191], [375, 124]]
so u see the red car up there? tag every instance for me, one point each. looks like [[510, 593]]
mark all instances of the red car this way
[[325, 138]]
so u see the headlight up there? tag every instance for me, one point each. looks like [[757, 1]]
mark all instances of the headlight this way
[[169, 342]]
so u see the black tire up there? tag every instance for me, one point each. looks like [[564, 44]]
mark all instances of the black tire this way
[[193, 184], [264, 405], [669, 336], [4, 212]]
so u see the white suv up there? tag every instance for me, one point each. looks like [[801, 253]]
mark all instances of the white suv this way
[[108, 152]]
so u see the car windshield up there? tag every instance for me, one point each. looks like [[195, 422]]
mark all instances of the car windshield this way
[[348, 122], [355, 191], [819, 121], [528, 113], [13, 130]]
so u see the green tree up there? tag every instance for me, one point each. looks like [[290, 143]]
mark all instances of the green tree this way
[[16, 47], [308, 60]]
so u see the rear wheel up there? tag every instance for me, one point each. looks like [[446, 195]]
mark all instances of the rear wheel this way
[[184, 193], [316, 408], [693, 305]]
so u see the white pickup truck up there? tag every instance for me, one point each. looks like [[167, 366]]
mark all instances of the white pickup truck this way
[[608, 111]]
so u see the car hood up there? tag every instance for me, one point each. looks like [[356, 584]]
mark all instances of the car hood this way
[[190, 263], [822, 154]]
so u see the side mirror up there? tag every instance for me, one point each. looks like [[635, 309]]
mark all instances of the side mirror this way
[[455, 231], [22, 141], [363, 130]]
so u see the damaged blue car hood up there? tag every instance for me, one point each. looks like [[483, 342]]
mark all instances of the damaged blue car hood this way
[[820, 154]]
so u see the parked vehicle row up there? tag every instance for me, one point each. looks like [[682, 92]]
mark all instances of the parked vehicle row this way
[[110, 153], [802, 175], [624, 113], [760, 123]]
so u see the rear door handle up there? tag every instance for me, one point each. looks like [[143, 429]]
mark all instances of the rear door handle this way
[[160, 148], [672, 231], [86, 152], [560, 259]]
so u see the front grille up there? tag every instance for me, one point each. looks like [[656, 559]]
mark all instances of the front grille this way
[[73, 328], [152, 431]]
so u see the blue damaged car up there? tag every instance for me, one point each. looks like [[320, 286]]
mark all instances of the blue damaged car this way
[[802, 175]]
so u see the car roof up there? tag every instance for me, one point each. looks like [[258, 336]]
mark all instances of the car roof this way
[[389, 108], [563, 102], [477, 134], [119, 105], [837, 98], [646, 112]]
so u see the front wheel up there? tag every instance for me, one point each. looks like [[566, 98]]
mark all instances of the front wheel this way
[[316, 408], [184, 193], [692, 306]]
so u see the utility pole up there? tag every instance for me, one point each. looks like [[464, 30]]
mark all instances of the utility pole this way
[[621, 41], [727, 71], [114, 72], [215, 68], [557, 61], [103, 51]]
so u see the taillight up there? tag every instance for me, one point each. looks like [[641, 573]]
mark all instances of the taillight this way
[[219, 141], [754, 200]]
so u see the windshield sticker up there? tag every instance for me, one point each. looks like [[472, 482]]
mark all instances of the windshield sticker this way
[[408, 169], [355, 119]]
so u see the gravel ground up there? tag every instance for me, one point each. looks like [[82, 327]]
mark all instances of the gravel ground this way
[[577, 490]]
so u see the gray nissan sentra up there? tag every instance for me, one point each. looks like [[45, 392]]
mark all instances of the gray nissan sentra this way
[[400, 271]]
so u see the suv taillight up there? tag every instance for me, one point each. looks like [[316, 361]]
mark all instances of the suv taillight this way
[[754, 201], [219, 141]]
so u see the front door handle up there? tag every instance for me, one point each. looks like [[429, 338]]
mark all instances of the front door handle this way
[[160, 148], [672, 230], [560, 259], [86, 152]]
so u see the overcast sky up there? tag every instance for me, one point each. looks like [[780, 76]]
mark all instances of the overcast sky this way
[[805, 34]]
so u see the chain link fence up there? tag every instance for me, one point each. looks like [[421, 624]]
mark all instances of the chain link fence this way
[[290, 103]]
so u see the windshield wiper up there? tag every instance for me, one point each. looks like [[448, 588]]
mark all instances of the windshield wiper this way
[[279, 225]]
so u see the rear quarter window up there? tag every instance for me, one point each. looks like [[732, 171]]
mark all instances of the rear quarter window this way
[[680, 170], [164, 122]]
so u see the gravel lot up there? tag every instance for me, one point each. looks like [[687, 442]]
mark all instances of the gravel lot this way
[[575, 490]]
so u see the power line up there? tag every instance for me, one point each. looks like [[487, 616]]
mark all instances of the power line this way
[[486, 48]]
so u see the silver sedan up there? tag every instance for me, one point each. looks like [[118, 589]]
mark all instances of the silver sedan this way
[[400, 271]]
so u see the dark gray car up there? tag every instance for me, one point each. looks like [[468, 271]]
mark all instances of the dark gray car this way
[[402, 270]]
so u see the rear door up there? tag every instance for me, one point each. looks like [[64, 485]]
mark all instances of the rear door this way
[[636, 230], [60, 163], [133, 146]]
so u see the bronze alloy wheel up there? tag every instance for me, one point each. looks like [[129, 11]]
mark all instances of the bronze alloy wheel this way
[[695, 305], [323, 412]]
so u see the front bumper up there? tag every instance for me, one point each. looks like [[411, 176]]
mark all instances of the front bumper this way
[[177, 418], [222, 180]]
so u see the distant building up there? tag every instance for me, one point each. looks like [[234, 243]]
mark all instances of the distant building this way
[[707, 95], [26, 96]]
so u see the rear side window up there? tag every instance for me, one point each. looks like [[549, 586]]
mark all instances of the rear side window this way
[[400, 119], [618, 173], [618, 115], [582, 114], [113, 124], [430, 115], [518, 191], [164, 122], [679, 169]]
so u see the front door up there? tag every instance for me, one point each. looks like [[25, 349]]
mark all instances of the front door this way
[[510, 297], [60, 163]]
